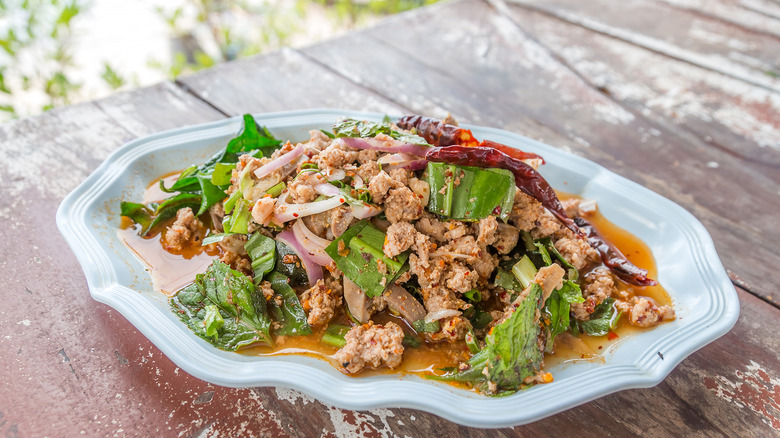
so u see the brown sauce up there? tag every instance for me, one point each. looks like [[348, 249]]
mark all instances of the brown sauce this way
[[172, 271]]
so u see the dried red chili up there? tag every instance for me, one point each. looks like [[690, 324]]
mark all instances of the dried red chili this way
[[613, 258], [527, 178], [439, 133]]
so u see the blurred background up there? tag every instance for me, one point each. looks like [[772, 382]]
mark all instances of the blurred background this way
[[57, 52]]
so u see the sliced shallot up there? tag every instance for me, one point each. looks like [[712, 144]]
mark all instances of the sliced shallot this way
[[313, 270], [376, 144], [313, 244], [440, 314], [286, 212], [279, 162]]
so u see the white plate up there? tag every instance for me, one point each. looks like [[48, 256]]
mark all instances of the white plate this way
[[689, 268]]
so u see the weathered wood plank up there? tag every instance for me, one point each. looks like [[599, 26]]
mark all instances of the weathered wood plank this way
[[752, 15], [278, 81], [710, 44], [476, 84]]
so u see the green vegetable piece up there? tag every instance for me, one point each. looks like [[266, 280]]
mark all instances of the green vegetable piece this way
[[470, 193], [471, 342], [362, 246], [213, 320], [524, 271], [603, 319], [556, 311], [213, 238], [334, 335], [238, 222], [473, 296], [480, 319], [276, 189], [253, 137], [506, 279], [411, 341], [294, 270], [222, 294], [231, 201], [222, 174], [170, 206], [364, 129], [139, 213], [542, 247], [511, 353], [211, 194], [420, 326], [262, 252], [293, 318]]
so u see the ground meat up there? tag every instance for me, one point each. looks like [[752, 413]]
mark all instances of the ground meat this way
[[263, 210], [239, 262], [455, 229], [301, 189], [267, 290], [643, 312], [400, 176], [576, 251], [372, 345], [431, 226], [318, 141], [572, 207], [320, 301], [549, 278], [403, 205], [506, 238], [528, 214], [460, 278], [487, 230], [336, 155], [420, 187], [400, 237], [368, 171], [440, 298], [379, 186], [184, 231], [597, 286], [367, 155], [453, 329]]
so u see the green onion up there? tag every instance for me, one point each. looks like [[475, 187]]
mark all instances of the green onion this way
[[524, 271]]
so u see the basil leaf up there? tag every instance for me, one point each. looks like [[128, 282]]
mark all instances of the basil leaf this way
[[363, 129], [291, 317], [556, 311], [168, 208], [420, 326], [222, 294], [253, 137], [603, 319], [139, 213], [262, 252]]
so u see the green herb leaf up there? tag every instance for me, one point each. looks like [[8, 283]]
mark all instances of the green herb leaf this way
[[139, 213], [420, 326], [362, 245], [262, 252], [222, 174], [253, 137], [240, 307], [556, 311], [290, 316], [365, 129], [603, 319], [470, 193], [511, 353]]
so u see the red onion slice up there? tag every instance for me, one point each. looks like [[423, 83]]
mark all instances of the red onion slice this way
[[286, 212], [327, 189], [279, 162], [313, 244], [440, 314], [365, 210], [313, 270], [385, 145]]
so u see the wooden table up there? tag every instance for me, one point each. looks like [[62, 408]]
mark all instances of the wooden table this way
[[681, 96]]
